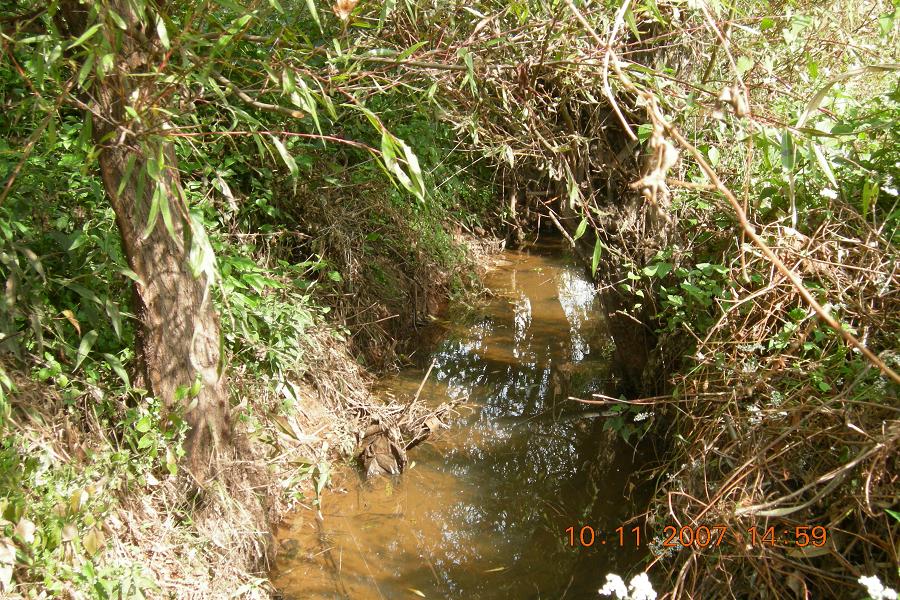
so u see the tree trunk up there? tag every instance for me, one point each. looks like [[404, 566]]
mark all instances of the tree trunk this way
[[178, 337], [178, 341]]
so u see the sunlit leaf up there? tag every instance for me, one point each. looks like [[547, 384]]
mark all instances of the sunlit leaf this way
[[595, 259], [582, 227], [286, 156], [162, 32], [89, 32], [311, 5]]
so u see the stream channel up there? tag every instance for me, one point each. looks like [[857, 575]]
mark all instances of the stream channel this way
[[483, 511]]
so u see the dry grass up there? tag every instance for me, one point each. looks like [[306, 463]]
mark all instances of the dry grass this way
[[804, 435]]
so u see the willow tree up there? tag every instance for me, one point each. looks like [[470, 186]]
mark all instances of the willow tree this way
[[126, 108], [137, 70]]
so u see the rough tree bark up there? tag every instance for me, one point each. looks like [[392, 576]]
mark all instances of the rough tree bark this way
[[178, 337]]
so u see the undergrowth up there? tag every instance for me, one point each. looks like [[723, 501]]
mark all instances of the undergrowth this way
[[305, 273]]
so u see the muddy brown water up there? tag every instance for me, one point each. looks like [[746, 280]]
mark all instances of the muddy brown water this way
[[483, 511]]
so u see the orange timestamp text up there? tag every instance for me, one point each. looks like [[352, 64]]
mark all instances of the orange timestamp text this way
[[702, 536]]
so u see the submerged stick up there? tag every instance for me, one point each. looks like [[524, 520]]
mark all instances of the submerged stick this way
[[422, 385]]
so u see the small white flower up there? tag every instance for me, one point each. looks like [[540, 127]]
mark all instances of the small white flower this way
[[641, 588], [642, 416], [876, 589], [829, 193], [614, 585]]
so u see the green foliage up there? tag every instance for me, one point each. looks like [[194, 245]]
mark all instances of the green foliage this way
[[628, 421]]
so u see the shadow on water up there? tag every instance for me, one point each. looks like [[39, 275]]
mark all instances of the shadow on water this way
[[484, 510]]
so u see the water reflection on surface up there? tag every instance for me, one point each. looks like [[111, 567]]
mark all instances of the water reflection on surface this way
[[483, 512]]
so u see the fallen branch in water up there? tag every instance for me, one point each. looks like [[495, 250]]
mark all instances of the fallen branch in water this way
[[650, 400]]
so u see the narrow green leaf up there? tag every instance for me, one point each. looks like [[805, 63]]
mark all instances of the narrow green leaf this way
[[154, 213], [823, 164], [165, 211], [86, 137], [162, 32], [386, 9], [115, 317], [388, 150], [595, 259], [311, 4], [85, 70], [582, 227], [574, 192], [869, 196], [85, 347], [85, 36], [415, 170], [129, 167], [286, 156], [310, 103], [788, 151], [117, 19], [117, 367], [288, 82], [409, 51], [632, 24]]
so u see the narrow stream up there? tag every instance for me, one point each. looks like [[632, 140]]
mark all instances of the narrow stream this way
[[484, 510]]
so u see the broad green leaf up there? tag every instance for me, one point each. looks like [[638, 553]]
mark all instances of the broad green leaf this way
[[85, 347], [644, 131], [660, 269], [143, 424]]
